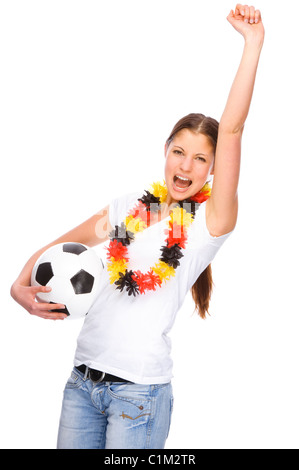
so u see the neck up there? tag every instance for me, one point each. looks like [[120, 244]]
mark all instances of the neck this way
[[166, 207], [169, 200], [164, 210]]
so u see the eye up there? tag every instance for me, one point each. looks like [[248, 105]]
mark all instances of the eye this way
[[202, 159], [178, 152]]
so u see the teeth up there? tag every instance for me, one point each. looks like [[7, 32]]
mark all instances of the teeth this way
[[183, 179]]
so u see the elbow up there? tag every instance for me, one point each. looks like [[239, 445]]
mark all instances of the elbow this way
[[239, 130], [231, 129], [12, 291]]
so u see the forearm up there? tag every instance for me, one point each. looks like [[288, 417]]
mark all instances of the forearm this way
[[239, 99], [223, 203], [91, 232], [24, 278]]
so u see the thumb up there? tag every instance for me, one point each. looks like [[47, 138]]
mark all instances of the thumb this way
[[230, 16], [41, 289]]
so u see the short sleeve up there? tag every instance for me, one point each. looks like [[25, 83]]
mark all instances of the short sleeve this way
[[217, 241], [119, 207]]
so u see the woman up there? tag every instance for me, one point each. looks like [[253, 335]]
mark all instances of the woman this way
[[119, 394]]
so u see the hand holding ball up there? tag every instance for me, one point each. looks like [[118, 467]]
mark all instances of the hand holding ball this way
[[73, 271]]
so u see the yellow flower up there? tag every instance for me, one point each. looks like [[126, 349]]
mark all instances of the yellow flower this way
[[163, 271], [116, 267], [181, 217], [206, 189], [134, 225], [159, 190]]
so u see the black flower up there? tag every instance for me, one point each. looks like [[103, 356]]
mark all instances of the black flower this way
[[171, 255], [189, 205], [125, 281], [121, 234], [152, 202]]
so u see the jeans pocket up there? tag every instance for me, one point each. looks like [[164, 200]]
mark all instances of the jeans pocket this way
[[75, 379], [130, 391], [133, 400]]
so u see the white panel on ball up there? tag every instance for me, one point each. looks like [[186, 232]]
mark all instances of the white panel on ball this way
[[73, 271]]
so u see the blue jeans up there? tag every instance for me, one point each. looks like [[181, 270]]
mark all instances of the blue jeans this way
[[114, 415]]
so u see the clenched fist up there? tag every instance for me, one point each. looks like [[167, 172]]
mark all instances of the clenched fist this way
[[248, 22]]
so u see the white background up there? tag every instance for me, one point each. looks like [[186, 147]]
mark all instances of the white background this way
[[90, 90]]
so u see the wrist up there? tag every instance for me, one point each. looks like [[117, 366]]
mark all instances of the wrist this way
[[14, 290], [254, 42]]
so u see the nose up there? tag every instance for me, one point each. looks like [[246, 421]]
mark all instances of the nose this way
[[186, 164]]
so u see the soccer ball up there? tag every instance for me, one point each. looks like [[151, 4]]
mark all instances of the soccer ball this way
[[73, 272]]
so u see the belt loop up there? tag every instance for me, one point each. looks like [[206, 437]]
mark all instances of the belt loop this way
[[86, 373]]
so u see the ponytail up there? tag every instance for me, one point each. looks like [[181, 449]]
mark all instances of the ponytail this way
[[201, 292]]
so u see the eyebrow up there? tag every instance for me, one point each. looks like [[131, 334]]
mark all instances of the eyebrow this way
[[195, 154]]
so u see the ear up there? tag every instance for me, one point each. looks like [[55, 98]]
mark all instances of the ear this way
[[212, 170], [165, 150]]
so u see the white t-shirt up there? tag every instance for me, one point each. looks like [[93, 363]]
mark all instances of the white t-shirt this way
[[127, 336]]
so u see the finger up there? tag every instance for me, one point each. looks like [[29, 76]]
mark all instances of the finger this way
[[239, 10], [251, 15], [257, 16], [52, 316], [39, 310], [36, 289], [230, 16], [247, 13], [50, 307], [55, 316]]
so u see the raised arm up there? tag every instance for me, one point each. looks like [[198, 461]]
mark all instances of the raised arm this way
[[222, 206]]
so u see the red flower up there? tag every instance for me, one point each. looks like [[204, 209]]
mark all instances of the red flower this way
[[201, 196], [148, 281], [139, 210], [117, 250], [176, 234]]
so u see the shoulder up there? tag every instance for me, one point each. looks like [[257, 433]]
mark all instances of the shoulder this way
[[119, 206]]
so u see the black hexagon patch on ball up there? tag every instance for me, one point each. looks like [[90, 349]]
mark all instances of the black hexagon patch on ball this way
[[82, 282], [60, 310], [74, 248], [44, 273]]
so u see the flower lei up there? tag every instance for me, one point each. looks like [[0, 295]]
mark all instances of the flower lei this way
[[139, 218]]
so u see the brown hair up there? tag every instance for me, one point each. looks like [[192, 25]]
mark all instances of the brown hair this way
[[200, 124]]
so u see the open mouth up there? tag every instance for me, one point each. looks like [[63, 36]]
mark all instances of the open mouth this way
[[181, 182]]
